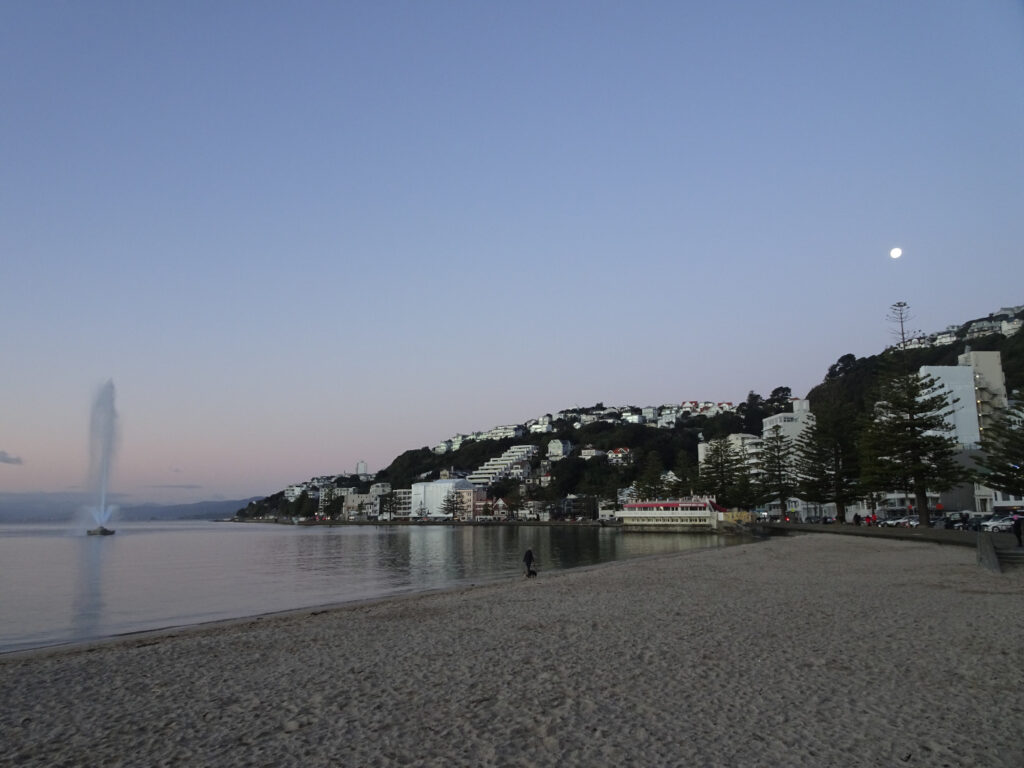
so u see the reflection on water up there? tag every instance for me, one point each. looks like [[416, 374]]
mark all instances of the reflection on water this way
[[87, 606], [59, 586]]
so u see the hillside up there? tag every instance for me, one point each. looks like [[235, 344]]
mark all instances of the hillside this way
[[850, 381]]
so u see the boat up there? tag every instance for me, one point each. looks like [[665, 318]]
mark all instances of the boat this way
[[101, 531]]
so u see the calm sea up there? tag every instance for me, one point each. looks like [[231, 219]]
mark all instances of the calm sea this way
[[59, 586]]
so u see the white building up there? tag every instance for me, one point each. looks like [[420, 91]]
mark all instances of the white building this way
[[979, 388], [427, 499], [670, 514], [508, 430], [790, 424], [559, 449], [514, 463]]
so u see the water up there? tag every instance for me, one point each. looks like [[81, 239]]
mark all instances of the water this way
[[59, 586]]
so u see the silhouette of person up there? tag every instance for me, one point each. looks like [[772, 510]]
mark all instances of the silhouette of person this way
[[1016, 529], [528, 560]]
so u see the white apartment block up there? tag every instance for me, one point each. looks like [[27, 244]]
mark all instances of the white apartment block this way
[[559, 449], [790, 424], [513, 463], [502, 432], [293, 492], [979, 387], [403, 502], [427, 499]]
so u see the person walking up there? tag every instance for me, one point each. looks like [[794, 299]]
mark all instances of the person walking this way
[[528, 561], [1016, 528]]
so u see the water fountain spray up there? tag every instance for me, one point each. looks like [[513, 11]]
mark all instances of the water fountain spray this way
[[102, 445]]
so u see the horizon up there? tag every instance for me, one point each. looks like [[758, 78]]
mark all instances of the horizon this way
[[300, 238]]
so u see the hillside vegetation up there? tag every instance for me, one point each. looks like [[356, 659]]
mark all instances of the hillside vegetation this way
[[850, 384]]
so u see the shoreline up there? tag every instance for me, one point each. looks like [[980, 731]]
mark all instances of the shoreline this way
[[794, 651]]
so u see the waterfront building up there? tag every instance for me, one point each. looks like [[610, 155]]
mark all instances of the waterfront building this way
[[427, 499], [695, 513]]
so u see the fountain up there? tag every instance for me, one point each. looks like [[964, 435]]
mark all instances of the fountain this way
[[102, 442]]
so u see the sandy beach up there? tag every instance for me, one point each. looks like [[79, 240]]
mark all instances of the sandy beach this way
[[814, 650]]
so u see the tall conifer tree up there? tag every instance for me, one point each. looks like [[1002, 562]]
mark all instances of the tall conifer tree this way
[[776, 470], [907, 446], [1002, 458], [826, 463]]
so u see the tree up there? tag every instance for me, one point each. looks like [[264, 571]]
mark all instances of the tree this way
[[685, 476], [649, 485], [841, 367], [304, 506], [721, 473], [389, 505], [453, 505], [775, 465], [752, 412], [826, 459], [780, 400], [1002, 457], [513, 503], [907, 445], [826, 468]]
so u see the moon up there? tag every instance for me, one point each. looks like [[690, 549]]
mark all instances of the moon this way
[[895, 253]]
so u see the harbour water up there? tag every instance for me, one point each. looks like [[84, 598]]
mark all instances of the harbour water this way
[[59, 586]]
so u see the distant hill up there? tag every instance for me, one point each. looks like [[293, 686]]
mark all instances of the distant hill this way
[[61, 507], [202, 510]]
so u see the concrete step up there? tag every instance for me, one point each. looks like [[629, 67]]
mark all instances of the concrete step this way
[[1010, 558]]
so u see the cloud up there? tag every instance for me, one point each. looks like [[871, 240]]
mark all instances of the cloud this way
[[6, 458]]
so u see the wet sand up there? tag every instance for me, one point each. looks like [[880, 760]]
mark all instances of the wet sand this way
[[805, 651]]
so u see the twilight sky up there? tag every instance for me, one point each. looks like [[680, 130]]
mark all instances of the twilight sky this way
[[299, 235]]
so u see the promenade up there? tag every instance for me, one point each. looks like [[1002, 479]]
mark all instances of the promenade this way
[[934, 535]]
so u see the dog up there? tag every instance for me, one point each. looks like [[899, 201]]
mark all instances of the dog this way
[[530, 573]]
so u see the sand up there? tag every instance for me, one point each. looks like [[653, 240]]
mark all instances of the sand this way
[[814, 650]]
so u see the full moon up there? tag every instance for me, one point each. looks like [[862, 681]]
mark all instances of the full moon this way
[[895, 253]]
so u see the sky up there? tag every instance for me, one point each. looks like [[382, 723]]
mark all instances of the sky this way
[[296, 236]]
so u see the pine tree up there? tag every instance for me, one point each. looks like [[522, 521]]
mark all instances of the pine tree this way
[[1002, 458], [775, 460], [908, 446], [826, 462], [388, 505], [721, 471], [649, 485], [453, 505]]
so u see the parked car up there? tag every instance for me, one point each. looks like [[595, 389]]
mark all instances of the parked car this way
[[1000, 524], [975, 523]]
